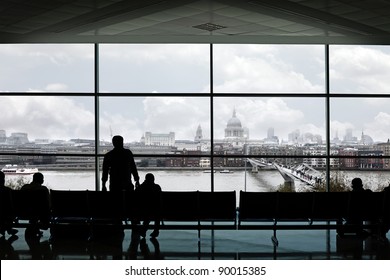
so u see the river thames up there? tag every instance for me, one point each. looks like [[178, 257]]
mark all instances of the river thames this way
[[190, 180]]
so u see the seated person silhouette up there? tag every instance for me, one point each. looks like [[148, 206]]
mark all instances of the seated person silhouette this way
[[151, 192], [356, 220], [42, 206], [386, 220], [357, 186], [6, 218]]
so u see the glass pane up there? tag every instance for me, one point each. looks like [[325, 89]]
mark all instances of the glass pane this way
[[359, 69], [361, 132], [60, 172], [157, 125], [269, 68], [360, 122], [268, 126], [154, 68], [46, 68], [50, 124]]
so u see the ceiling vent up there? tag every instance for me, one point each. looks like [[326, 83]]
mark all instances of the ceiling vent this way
[[209, 26]]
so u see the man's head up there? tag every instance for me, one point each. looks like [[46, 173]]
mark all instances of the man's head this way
[[149, 177], [357, 184], [38, 178], [117, 141]]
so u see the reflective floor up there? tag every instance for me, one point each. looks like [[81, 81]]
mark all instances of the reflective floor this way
[[185, 245]]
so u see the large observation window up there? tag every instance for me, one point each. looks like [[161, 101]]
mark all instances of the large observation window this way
[[198, 116]]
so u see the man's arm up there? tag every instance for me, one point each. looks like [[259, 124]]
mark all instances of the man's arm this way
[[105, 173], [134, 171]]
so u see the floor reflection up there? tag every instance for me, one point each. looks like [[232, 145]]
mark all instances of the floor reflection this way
[[184, 244]]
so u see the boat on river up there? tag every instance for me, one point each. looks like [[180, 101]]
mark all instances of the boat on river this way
[[225, 171], [13, 169]]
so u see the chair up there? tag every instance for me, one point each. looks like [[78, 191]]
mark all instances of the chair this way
[[180, 206], [257, 206], [106, 213], [365, 209], [218, 207], [69, 206], [105, 206], [31, 205], [70, 216], [294, 206], [330, 206]]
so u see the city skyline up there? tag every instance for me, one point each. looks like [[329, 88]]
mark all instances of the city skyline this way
[[295, 137]]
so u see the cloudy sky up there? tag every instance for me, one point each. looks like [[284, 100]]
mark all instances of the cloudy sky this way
[[185, 69]]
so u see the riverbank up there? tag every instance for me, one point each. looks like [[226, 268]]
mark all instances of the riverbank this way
[[154, 168]]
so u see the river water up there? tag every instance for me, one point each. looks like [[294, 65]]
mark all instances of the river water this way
[[189, 180]]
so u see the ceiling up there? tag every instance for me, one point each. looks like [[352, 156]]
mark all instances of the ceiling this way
[[185, 21]]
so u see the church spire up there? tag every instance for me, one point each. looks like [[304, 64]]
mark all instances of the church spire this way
[[199, 134]]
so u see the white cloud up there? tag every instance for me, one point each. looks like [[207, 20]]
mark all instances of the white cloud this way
[[56, 87], [181, 115], [46, 117], [259, 69], [379, 128], [360, 69], [117, 124], [160, 53]]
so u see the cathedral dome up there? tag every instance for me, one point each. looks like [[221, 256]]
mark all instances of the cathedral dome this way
[[234, 121]]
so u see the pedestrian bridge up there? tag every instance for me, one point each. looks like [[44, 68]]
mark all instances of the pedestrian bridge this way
[[301, 172]]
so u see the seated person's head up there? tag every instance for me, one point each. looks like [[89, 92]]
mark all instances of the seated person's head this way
[[38, 178], [149, 177], [357, 184]]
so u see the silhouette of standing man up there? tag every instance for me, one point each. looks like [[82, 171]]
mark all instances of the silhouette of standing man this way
[[119, 163]]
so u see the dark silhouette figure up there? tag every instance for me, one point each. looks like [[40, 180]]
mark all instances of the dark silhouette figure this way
[[6, 208], [386, 220], [357, 185], [150, 192], [7, 251], [39, 250], [132, 252], [355, 220], [119, 164], [41, 205]]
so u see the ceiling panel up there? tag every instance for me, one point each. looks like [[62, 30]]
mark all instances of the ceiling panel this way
[[294, 21]]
